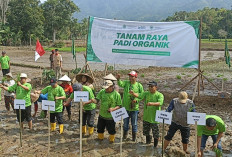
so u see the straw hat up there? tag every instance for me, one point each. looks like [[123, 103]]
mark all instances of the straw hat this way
[[79, 77], [34, 97], [183, 97], [110, 77], [9, 74], [65, 78]]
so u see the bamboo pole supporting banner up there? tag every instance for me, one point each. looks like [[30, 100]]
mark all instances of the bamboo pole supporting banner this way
[[199, 64], [87, 46]]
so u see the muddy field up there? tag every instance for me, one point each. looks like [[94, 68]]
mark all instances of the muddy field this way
[[170, 80]]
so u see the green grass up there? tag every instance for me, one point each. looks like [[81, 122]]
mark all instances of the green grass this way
[[215, 43], [66, 49], [178, 76]]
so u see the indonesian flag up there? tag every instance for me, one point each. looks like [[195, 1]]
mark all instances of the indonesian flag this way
[[39, 51]]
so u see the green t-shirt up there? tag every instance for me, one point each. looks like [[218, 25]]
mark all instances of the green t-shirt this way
[[220, 127], [108, 100], [5, 62], [90, 106], [127, 97], [52, 93], [22, 93], [149, 112]]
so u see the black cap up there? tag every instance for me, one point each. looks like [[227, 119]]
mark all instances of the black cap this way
[[152, 83], [210, 122], [53, 81], [77, 87], [56, 50]]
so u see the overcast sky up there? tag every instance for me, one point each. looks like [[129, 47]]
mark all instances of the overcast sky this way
[[42, 1]]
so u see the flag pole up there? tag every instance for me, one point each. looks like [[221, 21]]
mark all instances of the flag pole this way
[[87, 45], [199, 65]]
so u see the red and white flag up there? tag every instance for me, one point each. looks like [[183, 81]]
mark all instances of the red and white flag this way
[[39, 51]]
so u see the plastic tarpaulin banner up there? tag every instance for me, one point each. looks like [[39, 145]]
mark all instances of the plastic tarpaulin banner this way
[[163, 44]]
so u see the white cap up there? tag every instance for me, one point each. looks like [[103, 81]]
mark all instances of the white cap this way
[[107, 84], [23, 75], [65, 78]]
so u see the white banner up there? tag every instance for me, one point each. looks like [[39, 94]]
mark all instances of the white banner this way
[[166, 44]]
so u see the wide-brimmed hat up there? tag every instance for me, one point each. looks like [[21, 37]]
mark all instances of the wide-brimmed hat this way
[[9, 74], [65, 78], [110, 77], [89, 78], [183, 97], [34, 97], [107, 84]]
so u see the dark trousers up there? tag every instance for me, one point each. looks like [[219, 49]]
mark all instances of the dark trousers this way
[[108, 124], [9, 101], [147, 127], [88, 117], [68, 109], [25, 114], [185, 132], [5, 71], [58, 116]]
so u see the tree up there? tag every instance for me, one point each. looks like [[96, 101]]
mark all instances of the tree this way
[[58, 15], [222, 33], [27, 17], [4, 7]]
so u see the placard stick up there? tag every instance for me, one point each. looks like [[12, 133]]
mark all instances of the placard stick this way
[[41, 81], [48, 113], [121, 138], [196, 139], [81, 105], [163, 139], [20, 124]]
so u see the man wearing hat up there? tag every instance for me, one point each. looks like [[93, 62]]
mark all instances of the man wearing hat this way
[[55, 93], [180, 106], [5, 63], [89, 108], [57, 63], [68, 91], [215, 127], [9, 96], [153, 102], [130, 102], [22, 90]]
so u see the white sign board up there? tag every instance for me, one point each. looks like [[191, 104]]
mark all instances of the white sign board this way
[[160, 115], [198, 117], [165, 44], [51, 104], [19, 103], [78, 95], [118, 113]]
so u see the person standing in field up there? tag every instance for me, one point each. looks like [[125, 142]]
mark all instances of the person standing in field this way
[[57, 62], [180, 106], [153, 102], [55, 93], [215, 127], [68, 91], [22, 90], [89, 108], [130, 102], [9, 96], [51, 57], [5, 63]]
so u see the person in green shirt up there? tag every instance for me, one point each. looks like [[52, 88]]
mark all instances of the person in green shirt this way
[[5, 63], [22, 90], [130, 102], [215, 127], [110, 101], [89, 108], [55, 93], [153, 102]]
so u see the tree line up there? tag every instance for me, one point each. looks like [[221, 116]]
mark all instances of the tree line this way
[[24, 21], [216, 23]]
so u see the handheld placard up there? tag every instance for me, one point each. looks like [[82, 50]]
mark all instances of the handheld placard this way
[[78, 95], [50, 104]]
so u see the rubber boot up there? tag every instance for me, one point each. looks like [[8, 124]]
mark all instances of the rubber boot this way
[[125, 134], [100, 136], [84, 129], [61, 126], [53, 126], [134, 136], [148, 139], [91, 130], [111, 138], [155, 142]]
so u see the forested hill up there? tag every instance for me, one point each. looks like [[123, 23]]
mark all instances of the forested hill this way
[[143, 10]]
